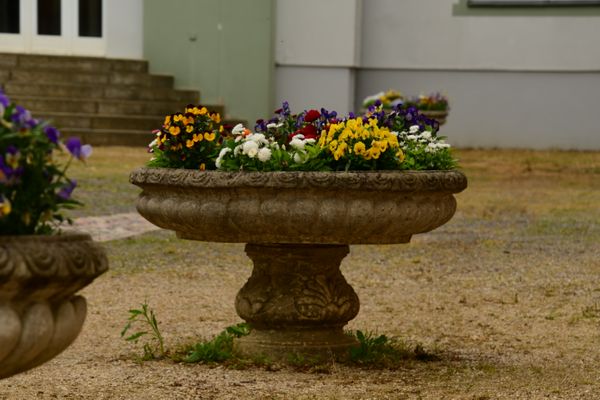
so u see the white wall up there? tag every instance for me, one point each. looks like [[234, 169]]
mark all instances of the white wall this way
[[124, 27], [416, 34], [549, 110], [317, 46]]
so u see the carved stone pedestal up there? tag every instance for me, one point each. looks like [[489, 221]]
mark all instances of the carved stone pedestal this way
[[296, 301], [299, 226]]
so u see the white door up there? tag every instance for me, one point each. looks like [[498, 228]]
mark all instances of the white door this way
[[68, 27]]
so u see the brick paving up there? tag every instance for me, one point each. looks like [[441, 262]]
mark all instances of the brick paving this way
[[112, 227]]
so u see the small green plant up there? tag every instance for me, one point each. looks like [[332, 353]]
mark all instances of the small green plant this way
[[218, 349], [154, 348], [381, 351]]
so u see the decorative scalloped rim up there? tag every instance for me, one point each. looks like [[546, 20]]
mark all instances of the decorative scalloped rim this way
[[401, 181], [20, 262]]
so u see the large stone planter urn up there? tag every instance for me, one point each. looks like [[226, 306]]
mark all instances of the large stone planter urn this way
[[298, 227], [40, 315]]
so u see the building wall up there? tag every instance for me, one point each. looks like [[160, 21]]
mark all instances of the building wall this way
[[224, 48], [317, 50], [123, 24], [516, 77], [520, 77]]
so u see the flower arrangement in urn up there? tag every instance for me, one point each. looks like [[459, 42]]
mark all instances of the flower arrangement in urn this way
[[434, 105], [312, 140], [298, 189], [41, 268]]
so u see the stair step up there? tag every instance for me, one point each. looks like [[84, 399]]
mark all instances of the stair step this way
[[91, 64], [110, 137], [90, 78], [118, 137], [95, 92], [87, 106], [95, 121]]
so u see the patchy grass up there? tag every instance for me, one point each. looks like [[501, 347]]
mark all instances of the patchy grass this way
[[509, 290]]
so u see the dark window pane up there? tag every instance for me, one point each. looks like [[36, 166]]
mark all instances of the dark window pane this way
[[9, 16], [48, 17], [90, 18]]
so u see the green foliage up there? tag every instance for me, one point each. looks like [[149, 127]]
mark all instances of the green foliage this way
[[218, 349], [381, 351], [146, 320]]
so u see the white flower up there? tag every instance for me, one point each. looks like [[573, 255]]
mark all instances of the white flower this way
[[153, 143], [258, 138], [238, 138], [414, 129], [264, 154], [394, 133], [237, 150], [309, 141], [273, 125], [374, 97], [224, 151], [238, 129], [297, 144], [426, 135], [250, 148], [299, 157], [411, 137]]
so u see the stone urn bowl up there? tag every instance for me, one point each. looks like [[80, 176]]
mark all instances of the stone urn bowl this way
[[298, 227], [40, 313], [439, 116]]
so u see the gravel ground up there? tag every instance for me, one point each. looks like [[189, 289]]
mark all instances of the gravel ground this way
[[507, 294]]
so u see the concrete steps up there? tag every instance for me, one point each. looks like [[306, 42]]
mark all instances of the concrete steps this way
[[104, 101]]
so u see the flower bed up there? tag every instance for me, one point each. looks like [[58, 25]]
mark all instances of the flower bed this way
[[313, 140]]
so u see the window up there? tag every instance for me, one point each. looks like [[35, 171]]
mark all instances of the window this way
[[90, 18], [48, 18], [9, 16]]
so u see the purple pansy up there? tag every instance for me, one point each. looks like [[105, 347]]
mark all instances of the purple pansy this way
[[66, 191], [52, 133], [77, 149], [4, 100]]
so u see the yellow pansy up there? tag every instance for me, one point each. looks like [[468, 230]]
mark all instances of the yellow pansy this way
[[400, 155], [197, 137], [5, 206], [189, 144], [216, 117], [189, 128], [167, 120], [209, 136], [359, 148], [375, 152], [333, 145], [178, 117], [202, 167], [174, 130]]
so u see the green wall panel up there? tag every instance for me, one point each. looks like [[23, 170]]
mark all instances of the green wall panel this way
[[223, 48]]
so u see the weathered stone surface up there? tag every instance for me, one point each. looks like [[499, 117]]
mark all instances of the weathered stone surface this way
[[296, 301], [297, 207], [39, 314], [298, 226]]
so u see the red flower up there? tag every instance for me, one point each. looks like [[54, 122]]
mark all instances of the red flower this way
[[311, 115], [309, 132]]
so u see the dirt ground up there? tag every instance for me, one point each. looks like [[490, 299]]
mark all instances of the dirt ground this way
[[507, 294]]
